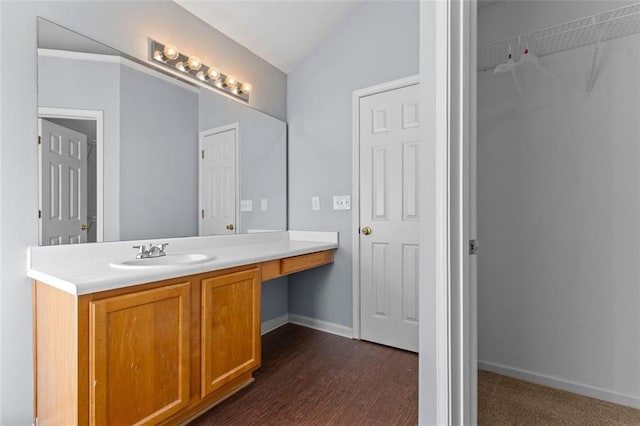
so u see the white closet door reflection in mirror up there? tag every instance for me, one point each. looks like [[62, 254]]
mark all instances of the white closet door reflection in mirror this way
[[219, 181], [63, 198]]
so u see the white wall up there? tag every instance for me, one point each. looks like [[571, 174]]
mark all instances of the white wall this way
[[124, 26], [377, 43], [558, 209]]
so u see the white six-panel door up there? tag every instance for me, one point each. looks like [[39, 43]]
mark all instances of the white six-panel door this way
[[218, 182], [389, 214], [63, 187]]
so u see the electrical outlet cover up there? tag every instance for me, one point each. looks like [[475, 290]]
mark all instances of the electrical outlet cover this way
[[246, 205], [342, 202], [263, 204], [315, 203]]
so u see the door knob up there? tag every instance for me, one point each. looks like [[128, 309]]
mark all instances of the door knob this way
[[366, 230], [84, 226], [230, 227]]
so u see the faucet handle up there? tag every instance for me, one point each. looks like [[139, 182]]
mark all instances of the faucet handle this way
[[161, 247], [142, 251]]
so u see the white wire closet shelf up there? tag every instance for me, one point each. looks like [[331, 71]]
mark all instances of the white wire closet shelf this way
[[581, 32]]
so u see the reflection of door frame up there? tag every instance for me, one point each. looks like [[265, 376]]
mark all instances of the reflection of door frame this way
[[203, 134], [97, 116], [355, 192]]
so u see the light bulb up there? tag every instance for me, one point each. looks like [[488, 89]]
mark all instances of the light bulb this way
[[201, 76], [171, 52], [158, 56], [193, 63], [213, 73], [180, 66], [246, 87], [230, 80]]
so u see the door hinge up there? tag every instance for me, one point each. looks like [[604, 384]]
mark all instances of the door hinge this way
[[202, 154], [473, 247], [202, 214], [39, 140], [39, 214]]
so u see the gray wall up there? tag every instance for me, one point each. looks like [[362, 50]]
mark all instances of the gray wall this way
[[124, 26], [158, 161], [262, 147], [558, 209], [262, 150], [377, 43], [275, 298], [70, 83]]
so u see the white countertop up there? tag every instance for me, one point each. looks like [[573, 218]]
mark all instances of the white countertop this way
[[85, 268]]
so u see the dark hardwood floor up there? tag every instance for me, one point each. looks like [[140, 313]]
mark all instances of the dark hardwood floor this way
[[313, 378]]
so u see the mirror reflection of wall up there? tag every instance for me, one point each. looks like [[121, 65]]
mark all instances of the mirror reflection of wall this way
[[146, 149]]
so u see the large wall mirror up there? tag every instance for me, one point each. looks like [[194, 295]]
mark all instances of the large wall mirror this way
[[128, 152]]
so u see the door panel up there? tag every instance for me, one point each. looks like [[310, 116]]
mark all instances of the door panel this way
[[63, 185], [389, 200], [218, 183], [230, 328]]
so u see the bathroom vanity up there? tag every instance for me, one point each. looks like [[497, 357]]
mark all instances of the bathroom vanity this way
[[119, 342]]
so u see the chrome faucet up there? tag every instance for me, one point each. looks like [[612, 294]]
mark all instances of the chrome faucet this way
[[155, 250]]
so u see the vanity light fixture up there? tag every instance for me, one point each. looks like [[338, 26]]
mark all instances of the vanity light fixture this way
[[169, 51], [170, 57], [230, 81]]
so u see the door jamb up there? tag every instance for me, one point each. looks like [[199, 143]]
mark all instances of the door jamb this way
[[231, 126], [84, 114], [355, 191]]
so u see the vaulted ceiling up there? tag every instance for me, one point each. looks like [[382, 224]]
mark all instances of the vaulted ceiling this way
[[282, 32]]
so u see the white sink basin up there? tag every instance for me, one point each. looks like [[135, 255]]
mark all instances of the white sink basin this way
[[178, 259]]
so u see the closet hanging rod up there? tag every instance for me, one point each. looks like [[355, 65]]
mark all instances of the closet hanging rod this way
[[609, 25]]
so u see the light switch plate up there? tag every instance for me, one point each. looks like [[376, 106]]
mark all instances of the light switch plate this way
[[246, 205], [263, 205], [315, 203], [342, 202]]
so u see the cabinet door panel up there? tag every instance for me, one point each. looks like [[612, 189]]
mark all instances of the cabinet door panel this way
[[230, 328], [139, 356]]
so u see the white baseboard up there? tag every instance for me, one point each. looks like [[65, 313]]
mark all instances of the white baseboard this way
[[316, 324], [274, 323], [559, 383]]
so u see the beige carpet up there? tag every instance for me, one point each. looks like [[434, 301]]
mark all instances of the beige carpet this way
[[506, 401]]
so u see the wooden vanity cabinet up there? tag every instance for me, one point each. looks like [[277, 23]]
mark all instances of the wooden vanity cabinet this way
[[157, 353], [139, 356], [230, 328], [151, 354]]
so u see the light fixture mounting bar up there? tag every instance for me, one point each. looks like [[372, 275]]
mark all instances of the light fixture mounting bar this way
[[191, 68]]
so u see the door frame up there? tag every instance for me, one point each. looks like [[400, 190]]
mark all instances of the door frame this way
[[448, 334], [231, 126], [82, 114], [355, 179]]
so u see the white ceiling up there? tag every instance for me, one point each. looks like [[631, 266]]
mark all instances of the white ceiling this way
[[282, 32]]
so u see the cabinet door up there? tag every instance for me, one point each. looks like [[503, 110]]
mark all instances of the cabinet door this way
[[230, 328], [139, 356]]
